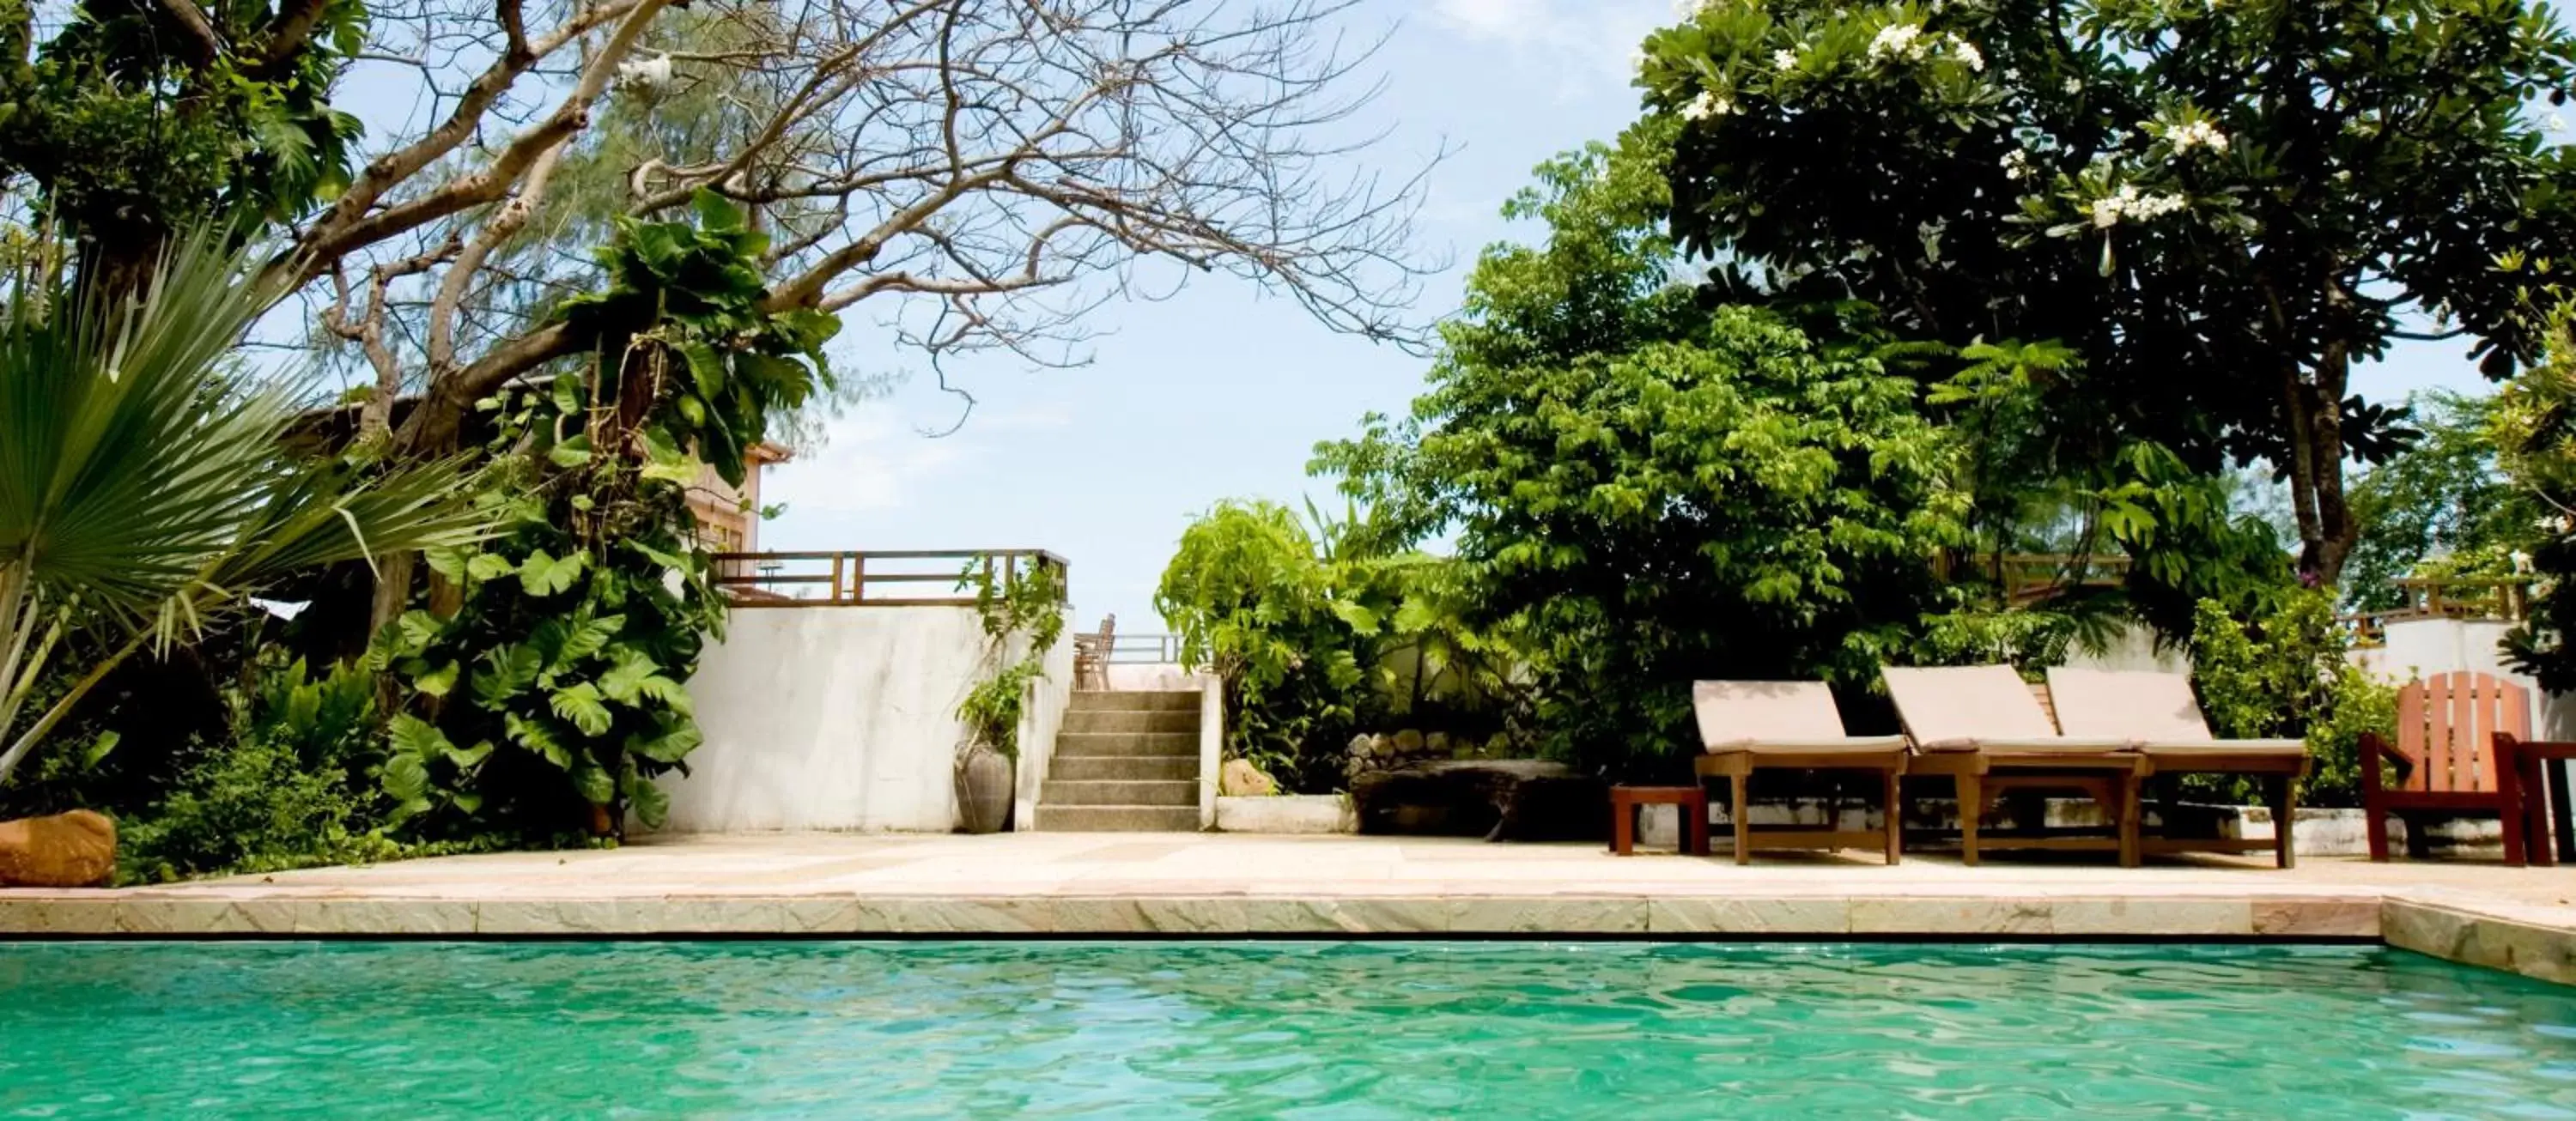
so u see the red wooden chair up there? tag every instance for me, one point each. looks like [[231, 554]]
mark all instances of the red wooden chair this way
[[2445, 760]]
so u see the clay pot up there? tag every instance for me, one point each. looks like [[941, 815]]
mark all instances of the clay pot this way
[[985, 783]]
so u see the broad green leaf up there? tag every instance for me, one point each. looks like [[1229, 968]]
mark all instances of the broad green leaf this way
[[406, 778], [624, 681], [580, 705], [588, 638], [507, 670], [449, 563], [652, 806], [537, 737], [490, 566], [570, 453], [437, 682], [542, 574], [669, 747], [593, 783], [671, 693], [415, 737], [665, 462], [99, 749], [467, 758]]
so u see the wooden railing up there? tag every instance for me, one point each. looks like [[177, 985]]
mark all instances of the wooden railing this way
[[2501, 599], [881, 578], [2026, 577]]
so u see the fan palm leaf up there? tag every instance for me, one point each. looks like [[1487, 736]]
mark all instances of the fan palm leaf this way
[[144, 481]]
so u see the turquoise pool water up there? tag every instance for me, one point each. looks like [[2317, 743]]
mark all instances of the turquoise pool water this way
[[1360, 1030]]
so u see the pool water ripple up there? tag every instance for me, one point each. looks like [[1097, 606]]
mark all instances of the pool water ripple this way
[[1250, 1030]]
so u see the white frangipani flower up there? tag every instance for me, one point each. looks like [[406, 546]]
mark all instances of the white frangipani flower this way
[[2197, 134], [2016, 164], [1899, 41], [1784, 59], [2074, 86], [1967, 52], [2128, 203], [1707, 105]]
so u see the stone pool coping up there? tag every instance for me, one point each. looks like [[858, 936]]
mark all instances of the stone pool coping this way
[[1218, 885]]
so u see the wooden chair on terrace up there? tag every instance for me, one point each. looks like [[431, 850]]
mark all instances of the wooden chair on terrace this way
[[1091, 656], [2445, 760]]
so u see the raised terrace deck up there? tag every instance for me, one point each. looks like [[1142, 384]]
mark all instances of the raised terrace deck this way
[[1192, 884]]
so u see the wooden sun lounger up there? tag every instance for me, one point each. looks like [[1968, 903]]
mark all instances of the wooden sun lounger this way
[[1749, 726], [2158, 716], [1982, 727]]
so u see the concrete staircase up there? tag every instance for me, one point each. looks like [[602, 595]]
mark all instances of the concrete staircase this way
[[1125, 761]]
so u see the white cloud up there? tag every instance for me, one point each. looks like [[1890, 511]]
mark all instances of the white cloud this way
[[871, 462], [1581, 41]]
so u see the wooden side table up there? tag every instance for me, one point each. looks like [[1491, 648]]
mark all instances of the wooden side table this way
[[1624, 803], [2544, 802]]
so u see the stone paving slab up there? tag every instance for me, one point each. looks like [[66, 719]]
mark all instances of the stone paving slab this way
[[803, 885]]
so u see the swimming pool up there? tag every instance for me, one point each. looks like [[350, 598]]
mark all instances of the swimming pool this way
[[1179, 1029]]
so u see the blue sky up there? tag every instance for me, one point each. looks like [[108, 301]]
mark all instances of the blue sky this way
[[1222, 391]]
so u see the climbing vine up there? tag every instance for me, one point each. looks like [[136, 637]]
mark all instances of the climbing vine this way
[[547, 666], [1023, 607]]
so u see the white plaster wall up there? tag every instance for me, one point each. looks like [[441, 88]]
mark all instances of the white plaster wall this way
[[838, 718], [2424, 647], [2135, 649], [1040, 719]]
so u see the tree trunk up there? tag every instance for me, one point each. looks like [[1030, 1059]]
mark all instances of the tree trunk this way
[[2314, 410]]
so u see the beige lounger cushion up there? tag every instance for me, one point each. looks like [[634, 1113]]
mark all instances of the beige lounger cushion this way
[[1980, 708], [1776, 717], [2154, 710]]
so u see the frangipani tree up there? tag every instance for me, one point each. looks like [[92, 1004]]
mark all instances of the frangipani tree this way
[[145, 482], [2221, 207]]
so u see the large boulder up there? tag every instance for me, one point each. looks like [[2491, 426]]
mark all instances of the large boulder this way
[[1240, 779], [76, 849], [1497, 799]]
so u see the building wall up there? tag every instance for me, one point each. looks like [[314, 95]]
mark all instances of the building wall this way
[[839, 718]]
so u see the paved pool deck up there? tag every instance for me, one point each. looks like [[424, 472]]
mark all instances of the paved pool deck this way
[[1209, 884]]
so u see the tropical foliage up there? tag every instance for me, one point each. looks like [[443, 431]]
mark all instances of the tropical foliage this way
[[2220, 208], [2441, 508], [1021, 609], [549, 695], [146, 483], [2285, 674]]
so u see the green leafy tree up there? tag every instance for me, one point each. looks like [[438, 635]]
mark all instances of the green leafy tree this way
[[550, 694], [2220, 207], [1744, 504], [1252, 601], [146, 483], [2443, 507], [2533, 425], [134, 120], [1654, 491]]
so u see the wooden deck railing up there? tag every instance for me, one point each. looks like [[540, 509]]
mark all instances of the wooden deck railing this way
[[878, 578], [2025, 577], [2500, 599]]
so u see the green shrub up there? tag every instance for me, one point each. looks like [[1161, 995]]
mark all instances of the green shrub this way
[[292, 786], [1252, 601], [2287, 673]]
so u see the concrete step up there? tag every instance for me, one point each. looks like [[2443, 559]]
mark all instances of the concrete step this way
[[1069, 744], [1131, 720], [1060, 793], [1128, 768], [1118, 819], [1136, 700]]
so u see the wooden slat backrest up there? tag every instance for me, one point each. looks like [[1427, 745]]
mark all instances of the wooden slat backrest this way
[[2446, 726]]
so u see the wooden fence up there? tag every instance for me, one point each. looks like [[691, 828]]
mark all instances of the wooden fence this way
[[2502, 599], [879, 578]]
